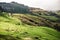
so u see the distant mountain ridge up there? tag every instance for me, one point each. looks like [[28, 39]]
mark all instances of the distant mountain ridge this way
[[18, 8]]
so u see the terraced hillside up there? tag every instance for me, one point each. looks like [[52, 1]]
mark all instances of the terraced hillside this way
[[40, 19], [12, 28]]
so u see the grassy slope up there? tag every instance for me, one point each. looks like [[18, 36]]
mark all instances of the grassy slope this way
[[13, 29]]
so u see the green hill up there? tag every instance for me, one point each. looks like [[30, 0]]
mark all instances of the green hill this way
[[20, 22], [12, 28], [39, 20]]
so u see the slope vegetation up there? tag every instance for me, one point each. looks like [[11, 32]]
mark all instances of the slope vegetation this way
[[12, 28], [40, 19]]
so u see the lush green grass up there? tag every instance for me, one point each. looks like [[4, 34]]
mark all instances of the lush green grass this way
[[53, 18], [13, 29]]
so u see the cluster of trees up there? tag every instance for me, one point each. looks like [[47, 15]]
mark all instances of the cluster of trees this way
[[14, 7], [1, 9]]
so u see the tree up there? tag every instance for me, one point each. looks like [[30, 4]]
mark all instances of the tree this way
[[1, 9], [57, 27]]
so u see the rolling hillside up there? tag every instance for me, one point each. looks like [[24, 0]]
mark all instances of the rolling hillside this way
[[12, 28], [40, 19], [20, 22], [31, 15]]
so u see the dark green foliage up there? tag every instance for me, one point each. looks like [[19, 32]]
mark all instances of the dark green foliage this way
[[1, 9], [15, 7], [57, 27], [18, 24], [7, 37]]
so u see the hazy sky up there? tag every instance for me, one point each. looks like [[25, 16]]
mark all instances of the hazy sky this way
[[45, 4]]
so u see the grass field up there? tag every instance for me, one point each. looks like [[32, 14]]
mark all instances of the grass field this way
[[13, 29]]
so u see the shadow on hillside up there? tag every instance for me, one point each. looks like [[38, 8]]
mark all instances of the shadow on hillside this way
[[7, 37]]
